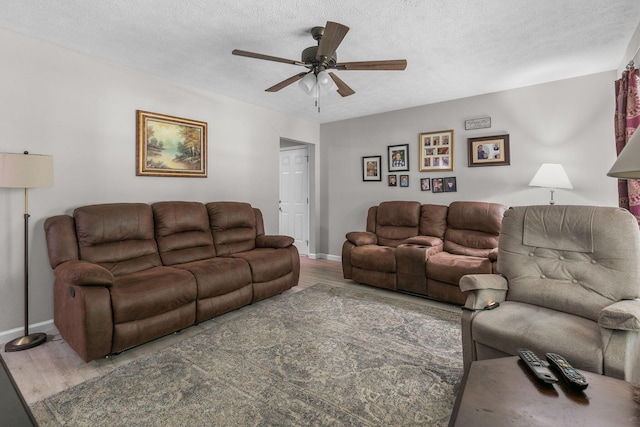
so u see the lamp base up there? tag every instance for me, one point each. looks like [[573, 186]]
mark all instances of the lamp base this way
[[26, 342]]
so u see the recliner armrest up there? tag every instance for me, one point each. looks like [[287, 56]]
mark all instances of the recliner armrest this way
[[622, 315], [483, 288], [83, 273], [274, 241], [361, 238], [472, 282]]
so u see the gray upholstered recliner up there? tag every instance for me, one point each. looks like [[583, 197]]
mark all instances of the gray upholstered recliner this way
[[569, 284]]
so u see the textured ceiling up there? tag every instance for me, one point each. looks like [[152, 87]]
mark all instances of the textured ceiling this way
[[454, 48]]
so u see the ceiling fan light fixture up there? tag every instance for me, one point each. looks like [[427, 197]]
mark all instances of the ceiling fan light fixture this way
[[308, 84], [325, 82]]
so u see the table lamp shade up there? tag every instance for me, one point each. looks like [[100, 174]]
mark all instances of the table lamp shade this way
[[627, 165], [551, 175], [26, 170]]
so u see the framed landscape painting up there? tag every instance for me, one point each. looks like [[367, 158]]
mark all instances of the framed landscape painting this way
[[170, 146]]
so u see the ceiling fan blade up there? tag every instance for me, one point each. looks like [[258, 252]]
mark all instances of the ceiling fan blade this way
[[394, 64], [331, 39], [286, 82], [343, 89], [265, 57]]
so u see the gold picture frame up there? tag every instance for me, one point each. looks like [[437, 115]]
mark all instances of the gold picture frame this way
[[170, 146], [436, 151]]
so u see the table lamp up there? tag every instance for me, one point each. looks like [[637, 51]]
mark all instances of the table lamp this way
[[551, 176], [26, 171]]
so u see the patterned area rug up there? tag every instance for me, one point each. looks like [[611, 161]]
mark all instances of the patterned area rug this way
[[324, 356]]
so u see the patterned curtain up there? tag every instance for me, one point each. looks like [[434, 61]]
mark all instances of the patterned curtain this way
[[627, 119]]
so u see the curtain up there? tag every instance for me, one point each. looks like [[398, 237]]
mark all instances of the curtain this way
[[627, 119]]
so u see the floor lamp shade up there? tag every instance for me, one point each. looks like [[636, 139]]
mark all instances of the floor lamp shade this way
[[26, 171], [627, 165]]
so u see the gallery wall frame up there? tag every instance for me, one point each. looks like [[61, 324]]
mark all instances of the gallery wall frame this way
[[436, 151], [398, 156], [404, 180], [450, 185], [170, 146], [392, 180], [489, 151], [372, 168], [437, 185], [425, 184]]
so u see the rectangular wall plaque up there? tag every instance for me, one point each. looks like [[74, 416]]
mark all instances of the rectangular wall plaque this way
[[482, 123]]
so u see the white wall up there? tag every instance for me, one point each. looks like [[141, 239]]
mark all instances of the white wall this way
[[568, 122], [82, 111]]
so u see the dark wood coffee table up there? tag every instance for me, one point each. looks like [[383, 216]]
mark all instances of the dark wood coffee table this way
[[502, 392]]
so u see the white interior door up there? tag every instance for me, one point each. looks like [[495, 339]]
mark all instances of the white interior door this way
[[294, 196]]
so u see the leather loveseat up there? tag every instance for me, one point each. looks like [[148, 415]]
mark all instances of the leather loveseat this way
[[424, 249], [128, 273]]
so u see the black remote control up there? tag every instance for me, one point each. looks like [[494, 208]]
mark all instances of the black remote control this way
[[537, 366], [574, 379]]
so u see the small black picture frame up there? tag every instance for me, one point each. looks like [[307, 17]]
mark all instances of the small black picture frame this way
[[392, 180], [450, 185], [425, 184], [437, 185], [372, 168], [404, 180]]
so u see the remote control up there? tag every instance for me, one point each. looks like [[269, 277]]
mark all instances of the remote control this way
[[574, 379], [536, 366]]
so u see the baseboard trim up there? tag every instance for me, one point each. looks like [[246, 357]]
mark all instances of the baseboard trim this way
[[325, 256], [11, 334]]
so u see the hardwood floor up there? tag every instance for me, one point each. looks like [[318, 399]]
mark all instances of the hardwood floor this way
[[52, 367]]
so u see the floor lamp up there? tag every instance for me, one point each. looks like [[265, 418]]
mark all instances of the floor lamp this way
[[26, 171]]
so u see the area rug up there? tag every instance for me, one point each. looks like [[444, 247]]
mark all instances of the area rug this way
[[323, 356]]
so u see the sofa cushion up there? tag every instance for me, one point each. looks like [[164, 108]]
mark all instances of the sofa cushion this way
[[433, 220], [267, 263], [397, 221], [182, 232], [151, 292], [373, 257], [233, 225], [119, 236], [535, 327], [473, 227], [218, 276], [449, 268]]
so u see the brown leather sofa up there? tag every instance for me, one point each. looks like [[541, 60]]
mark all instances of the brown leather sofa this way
[[128, 273], [424, 249]]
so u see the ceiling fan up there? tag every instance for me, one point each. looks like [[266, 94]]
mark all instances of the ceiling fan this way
[[318, 59]]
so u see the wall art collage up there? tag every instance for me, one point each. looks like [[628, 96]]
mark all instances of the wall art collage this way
[[436, 155]]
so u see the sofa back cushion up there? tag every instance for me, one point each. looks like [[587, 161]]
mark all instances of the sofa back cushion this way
[[182, 232], [473, 228], [433, 220], [117, 236], [233, 225], [574, 259], [396, 221]]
